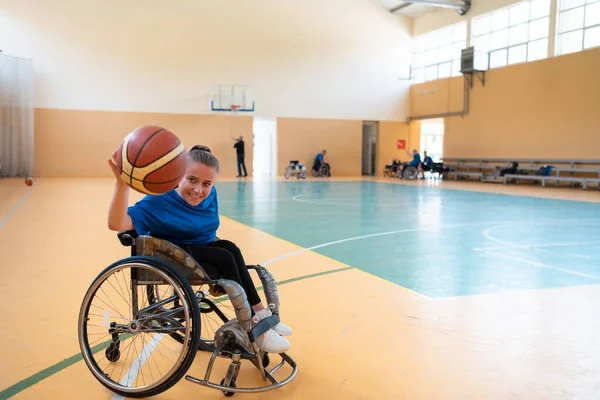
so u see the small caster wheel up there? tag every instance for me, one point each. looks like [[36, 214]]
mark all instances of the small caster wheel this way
[[265, 360], [112, 352], [231, 385]]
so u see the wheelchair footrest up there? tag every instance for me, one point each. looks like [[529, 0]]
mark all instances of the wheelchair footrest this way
[[274, 383]]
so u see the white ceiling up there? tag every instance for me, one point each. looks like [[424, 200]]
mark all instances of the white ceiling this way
[[411, 11]]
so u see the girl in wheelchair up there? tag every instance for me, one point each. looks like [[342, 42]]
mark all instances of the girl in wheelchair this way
[[188, 217]]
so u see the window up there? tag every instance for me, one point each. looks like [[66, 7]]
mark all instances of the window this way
[[578, 25], [437, 54], [514, 34]]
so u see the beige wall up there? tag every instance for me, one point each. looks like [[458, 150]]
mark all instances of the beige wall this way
[[303, 139], [388, 135], [305, 59], [78, 143], [543, 109]]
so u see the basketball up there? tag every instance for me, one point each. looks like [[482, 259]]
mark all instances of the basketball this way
[[152, 160], [29, 181]]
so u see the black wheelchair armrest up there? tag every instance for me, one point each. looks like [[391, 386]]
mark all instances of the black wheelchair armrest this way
[[127, 238]]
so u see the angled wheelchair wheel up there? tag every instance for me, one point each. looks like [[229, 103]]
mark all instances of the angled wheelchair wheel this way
[[410, 173], [323, 170], [124, 334], [288, 173]]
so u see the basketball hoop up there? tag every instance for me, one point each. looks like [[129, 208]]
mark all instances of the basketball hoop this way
[[235, 108]]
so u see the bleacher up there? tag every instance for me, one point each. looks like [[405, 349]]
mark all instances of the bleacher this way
[[575, 172]]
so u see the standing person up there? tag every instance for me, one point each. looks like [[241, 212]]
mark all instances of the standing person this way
[[239, 149]]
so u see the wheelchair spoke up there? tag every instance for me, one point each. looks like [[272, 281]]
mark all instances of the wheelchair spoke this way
[[135, 358]]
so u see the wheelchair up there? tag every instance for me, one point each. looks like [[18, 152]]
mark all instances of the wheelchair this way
[[154, 311], [392, 169], [295, 169], [319, 171]]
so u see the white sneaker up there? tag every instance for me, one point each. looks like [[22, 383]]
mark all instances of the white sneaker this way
[[270, 341], [281, 328]]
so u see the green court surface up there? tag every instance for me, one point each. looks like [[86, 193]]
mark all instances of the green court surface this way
[[437, 242]]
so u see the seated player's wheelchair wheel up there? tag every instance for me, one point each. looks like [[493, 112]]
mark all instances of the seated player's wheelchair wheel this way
[[288, 172], [123, 333], [323, 170], [410, 172]]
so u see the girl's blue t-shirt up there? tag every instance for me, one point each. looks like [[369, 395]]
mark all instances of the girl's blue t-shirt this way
[[168, 216]]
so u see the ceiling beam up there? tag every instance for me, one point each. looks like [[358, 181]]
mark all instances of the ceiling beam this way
[[461, 7], [400, 7]]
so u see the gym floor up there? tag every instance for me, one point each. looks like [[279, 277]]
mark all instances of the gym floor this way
[[395, 290]]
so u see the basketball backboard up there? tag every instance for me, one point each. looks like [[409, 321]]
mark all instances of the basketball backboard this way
[[224, 96]]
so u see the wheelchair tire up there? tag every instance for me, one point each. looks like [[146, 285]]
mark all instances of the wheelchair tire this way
[[410, 173], [323, 170], [139, 325], [288, 173]]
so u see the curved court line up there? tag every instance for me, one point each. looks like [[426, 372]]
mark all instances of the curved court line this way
[[505, 223], [333, 202], [487, 235], [14, 209], [542, 265]]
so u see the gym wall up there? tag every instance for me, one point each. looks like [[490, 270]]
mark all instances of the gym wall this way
[[76, 143], [103, 69], [302, 139], [542, 109]]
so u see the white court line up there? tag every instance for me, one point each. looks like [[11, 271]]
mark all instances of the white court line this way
[[578, 255], [486, 232], [12, 211], [137, 364], [535, 246], [335, 202], [305, 249], [541, 265], [504, 223]]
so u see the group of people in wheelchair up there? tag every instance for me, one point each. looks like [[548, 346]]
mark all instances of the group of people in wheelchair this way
[[415, 168], [319, 168]]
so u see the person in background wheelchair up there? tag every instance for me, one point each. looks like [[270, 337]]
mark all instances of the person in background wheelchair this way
[[188, 217], [413, 166], [320, 167], [391, 169]]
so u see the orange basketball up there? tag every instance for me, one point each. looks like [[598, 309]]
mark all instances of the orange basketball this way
[[152, 160]]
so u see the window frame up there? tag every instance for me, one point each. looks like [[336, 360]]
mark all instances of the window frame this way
[[517, 45], [584, 29], [454, 61]]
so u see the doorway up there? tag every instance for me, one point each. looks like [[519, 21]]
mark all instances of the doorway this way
[[369, 148], [265, 147], [432, 138]]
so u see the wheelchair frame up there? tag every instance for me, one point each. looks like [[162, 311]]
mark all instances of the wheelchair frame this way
[[292, 170], [234, 340]]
